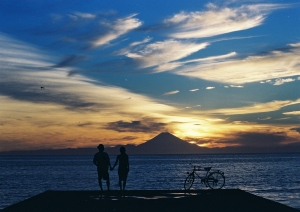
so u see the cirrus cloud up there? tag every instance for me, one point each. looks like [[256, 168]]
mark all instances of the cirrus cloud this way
[[217, 21], [282, 81], [144, 125], [171, 93], [272, 65], [162, 52], [116, 29], [292, 113], [256, 108]]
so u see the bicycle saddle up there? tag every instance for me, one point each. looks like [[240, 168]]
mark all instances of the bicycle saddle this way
[[207, 168]]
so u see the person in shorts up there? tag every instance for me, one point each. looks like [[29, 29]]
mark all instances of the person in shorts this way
[[123, 169], [102, 161]]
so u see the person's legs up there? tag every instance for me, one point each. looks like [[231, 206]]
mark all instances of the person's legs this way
[[124, 184], [124, 179], [120, 184], [100, 180], [106, 177], [120, 179], [100, 185], [108, 184]]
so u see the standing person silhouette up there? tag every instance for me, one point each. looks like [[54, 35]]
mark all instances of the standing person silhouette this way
[[102, 161], [123, 169]]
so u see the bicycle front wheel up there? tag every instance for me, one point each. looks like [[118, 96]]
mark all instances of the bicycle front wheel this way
[[189, 181], [215, 180]]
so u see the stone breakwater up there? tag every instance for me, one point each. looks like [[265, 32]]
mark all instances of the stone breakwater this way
[[148, 200]]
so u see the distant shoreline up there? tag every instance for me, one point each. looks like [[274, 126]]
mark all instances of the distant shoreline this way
[[30, 153], [163, 144]]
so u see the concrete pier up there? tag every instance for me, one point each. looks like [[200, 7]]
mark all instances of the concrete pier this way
[[148, 200]]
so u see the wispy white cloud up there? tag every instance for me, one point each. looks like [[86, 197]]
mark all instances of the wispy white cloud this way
[[292, 113], [24, 69], [256, 108], [267, 118], [171, 93], [167, 66], [16, 54], [217, 21], [116, 29], [189, 107], [79, 15], [297, 45], [236, 86], [160, 53], [210, 88], [273, 65], [127, 49], [282, 81], [267, 81], [212, 58], [233, 38], [173, 65], [215, 120], [146, 40], [193, 90]]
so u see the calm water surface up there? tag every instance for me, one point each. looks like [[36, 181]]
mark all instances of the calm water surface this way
[[272, 176]]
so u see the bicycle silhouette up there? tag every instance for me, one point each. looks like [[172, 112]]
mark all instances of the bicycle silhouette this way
[[213, 179]]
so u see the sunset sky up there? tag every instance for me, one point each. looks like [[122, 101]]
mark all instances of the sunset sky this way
[[215, 73]]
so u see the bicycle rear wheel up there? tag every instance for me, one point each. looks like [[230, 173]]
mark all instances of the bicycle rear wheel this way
[[215, 180], [189, 181]]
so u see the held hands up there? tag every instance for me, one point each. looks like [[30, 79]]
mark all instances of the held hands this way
[[112, 168]]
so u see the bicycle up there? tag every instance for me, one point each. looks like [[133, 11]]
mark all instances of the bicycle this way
[[213, 179]]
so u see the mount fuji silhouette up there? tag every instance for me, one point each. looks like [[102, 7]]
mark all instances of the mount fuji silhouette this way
[[164, 143]]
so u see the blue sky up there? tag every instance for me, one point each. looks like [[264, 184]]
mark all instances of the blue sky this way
[[215, 73]]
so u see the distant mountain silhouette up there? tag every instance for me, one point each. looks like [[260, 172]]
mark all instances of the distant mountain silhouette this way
[[164, 143]]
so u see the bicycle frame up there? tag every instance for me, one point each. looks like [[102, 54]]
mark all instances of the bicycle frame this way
[[213, 179], [198, 169]]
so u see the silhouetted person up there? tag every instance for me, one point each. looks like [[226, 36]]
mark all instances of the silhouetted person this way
[[102, 161], [123, 169]]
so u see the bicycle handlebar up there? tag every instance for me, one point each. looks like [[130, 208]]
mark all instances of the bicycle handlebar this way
[[199, 168]]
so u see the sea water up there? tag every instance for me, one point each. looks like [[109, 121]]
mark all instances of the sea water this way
[[272, 176]]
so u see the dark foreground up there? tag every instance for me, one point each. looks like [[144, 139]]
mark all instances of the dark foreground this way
[[148, 200]]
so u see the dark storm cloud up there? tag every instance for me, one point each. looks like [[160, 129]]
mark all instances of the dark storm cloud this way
[[129, 138], [253, 139], [249, 139], [34, 93], [136, 126], [296, 129], [157, 27], [286, 49], [84, 124], [252, 142], [70, 60], [124, 65], [70, 141], [126, 138], [12, 144], [117, 66]]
